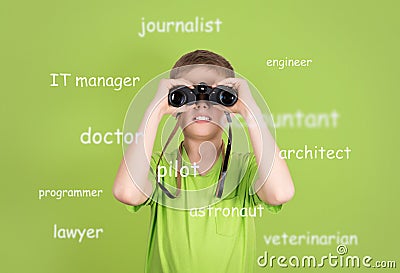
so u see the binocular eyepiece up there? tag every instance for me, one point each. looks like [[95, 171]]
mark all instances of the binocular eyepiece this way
[[181, 95]]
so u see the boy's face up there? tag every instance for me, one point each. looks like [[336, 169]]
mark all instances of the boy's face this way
[[202, 119]]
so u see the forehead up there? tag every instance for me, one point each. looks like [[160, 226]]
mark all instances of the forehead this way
[[208, 75]]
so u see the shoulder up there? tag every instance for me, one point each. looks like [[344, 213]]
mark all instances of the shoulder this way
[[242, 161], [242, 169], [164, 159]]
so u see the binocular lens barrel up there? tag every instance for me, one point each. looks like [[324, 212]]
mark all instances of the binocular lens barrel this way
[[177, 98], [227, 98]]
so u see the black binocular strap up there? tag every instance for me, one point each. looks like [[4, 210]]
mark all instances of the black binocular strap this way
[[222, 175], [163, 188]]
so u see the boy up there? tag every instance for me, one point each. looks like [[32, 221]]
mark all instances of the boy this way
[[207, 240]]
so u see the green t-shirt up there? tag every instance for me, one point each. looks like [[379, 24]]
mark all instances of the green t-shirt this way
[[217, 238]]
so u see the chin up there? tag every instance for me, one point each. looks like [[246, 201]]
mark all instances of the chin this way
[[204, 131]]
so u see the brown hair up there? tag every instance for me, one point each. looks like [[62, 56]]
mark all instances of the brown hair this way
[[202, 57]]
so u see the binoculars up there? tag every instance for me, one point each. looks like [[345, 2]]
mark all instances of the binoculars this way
[[181, 95]]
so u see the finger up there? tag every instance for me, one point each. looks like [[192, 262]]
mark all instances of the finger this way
[[171, 83], [228, 82], [182, 81]]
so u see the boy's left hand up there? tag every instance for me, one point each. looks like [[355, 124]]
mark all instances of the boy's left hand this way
[[245, 102]]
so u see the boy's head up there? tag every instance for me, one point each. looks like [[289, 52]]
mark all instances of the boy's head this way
[[202, 120], [201, 57]]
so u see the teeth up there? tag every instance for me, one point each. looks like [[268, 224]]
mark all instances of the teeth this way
[[202, 118]]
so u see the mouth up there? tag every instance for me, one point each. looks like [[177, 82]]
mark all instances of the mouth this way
[[201, 119]]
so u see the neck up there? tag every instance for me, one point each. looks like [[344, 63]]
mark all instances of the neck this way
[[203, 152]]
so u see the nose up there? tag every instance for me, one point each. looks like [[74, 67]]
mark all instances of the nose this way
[[201, 105]]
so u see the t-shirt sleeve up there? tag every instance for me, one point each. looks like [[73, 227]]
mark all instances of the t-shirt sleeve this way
[[250, 177], [133, 209], [152, 179]]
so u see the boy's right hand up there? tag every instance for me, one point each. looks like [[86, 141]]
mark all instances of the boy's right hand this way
[[160, 100]]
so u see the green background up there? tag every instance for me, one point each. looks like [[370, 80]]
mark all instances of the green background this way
[[354, 47]]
